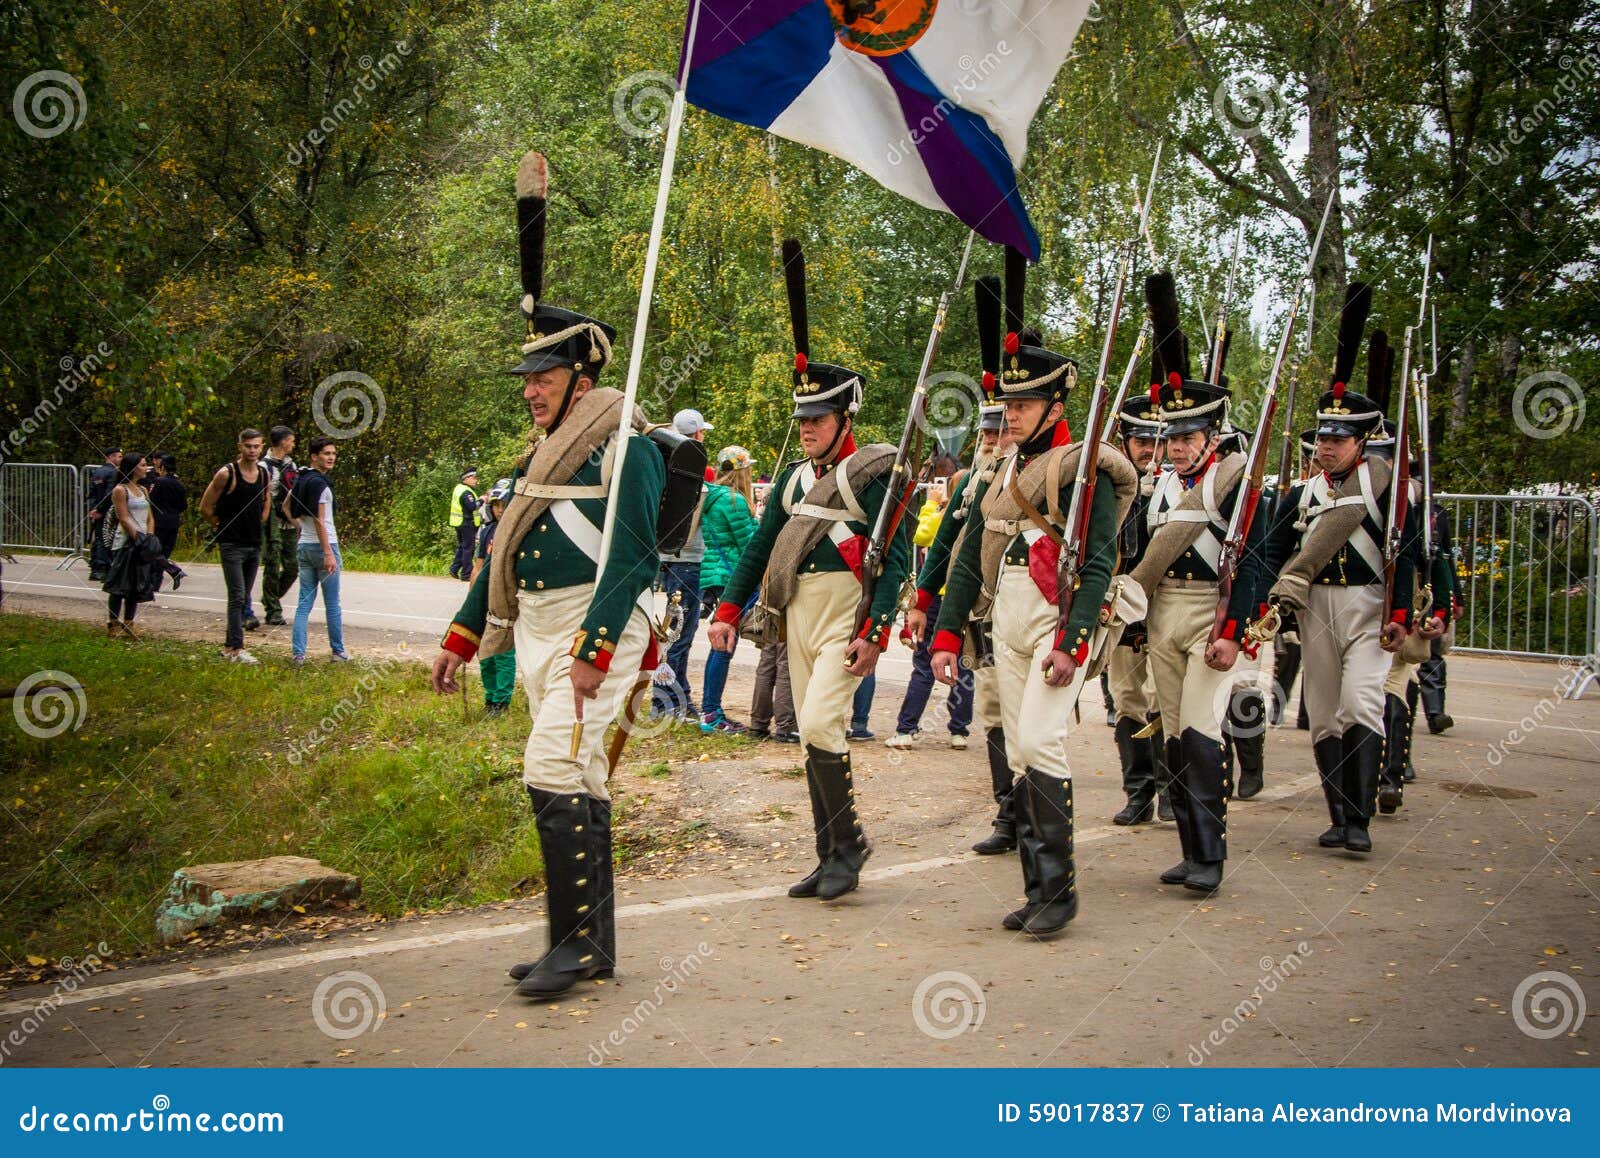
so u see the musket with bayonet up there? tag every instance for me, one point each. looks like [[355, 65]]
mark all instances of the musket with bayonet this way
[[1075, 543], [903, 475], [1249, 495], [1400, 480], [1289, 458], [1220, 335]]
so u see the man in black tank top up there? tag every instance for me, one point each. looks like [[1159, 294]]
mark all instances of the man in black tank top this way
[[235, 504]]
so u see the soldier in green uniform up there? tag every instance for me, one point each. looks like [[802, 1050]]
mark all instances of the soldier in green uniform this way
[[1010, 570], [581, 633], [806, 556]]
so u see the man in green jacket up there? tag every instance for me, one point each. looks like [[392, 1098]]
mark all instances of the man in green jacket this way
[[1039, 665]]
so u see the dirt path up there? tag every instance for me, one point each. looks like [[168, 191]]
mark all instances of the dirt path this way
[[1413, 955]]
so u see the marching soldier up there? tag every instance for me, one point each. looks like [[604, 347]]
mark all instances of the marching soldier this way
[[1009, 572], [1142, 751], [994, 444], [809, 548], [1192, 655], [1326, 553], [581, 633]]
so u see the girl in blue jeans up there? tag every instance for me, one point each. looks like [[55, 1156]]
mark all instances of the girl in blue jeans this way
[[317, 553]]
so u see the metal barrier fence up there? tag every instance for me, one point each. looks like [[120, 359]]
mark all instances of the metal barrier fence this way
[[42, 508], [1529, 566]]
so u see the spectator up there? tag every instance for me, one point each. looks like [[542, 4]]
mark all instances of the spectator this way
[[235, 504], [680, 576], [861, 710], [279, 535], [101, 479], [464, 521], [499, 672], [772, 707], [959, 702], [131, 577], [727, 523], [169, 498], [311, 503]]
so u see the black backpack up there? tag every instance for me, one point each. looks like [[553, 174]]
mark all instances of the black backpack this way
[[307, 494]]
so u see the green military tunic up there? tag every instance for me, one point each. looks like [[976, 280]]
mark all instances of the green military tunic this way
[[548, 559]]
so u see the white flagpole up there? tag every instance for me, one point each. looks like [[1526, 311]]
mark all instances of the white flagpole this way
[[641, 321]]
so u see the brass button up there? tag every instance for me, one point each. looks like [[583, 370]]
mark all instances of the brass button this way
[[539, 583], [536, 554], [522, 554], [542, 527], [591, 655], [522, 582], [602, 631]]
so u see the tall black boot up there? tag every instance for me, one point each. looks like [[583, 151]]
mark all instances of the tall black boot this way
[[1412, 692], [847, 845], [1207, 783], [1049, 804], [575, 953], [1285, 670], [1028, 854], [1363, 760], [807, 886], [1004, 836], [600, 852], [1178, 794], [1329, 753], [1163, 775], [1392, 777], [1138, 773], [1245, 732], [1431, 675], [1302, 719]]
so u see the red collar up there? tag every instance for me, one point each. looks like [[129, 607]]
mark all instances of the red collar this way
[[847, 447], [1061, 435]]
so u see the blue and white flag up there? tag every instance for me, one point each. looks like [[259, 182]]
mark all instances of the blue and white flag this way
[[931, 98]]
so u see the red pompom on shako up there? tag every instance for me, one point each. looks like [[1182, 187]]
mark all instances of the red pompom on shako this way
[[1013, 342], [800, 363], [988, 383]]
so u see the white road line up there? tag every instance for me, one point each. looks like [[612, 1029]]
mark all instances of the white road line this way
[[299, 960], [1537, 726]]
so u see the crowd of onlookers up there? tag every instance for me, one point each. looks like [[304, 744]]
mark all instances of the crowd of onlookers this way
[[268, 518]]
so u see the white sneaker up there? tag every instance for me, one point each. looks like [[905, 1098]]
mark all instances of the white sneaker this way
[[958, 742], [243, 656], [901, 741]]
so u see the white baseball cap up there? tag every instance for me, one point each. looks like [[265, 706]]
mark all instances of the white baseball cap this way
[[690, 422]]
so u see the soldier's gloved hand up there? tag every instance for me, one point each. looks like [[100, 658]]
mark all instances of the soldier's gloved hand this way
[[946, 667], [586, 678], [1058, 668], [445, 666], [1431, 627], [1222, 654], [861, 657], [722, 636], [916, 625], [1392, 637]]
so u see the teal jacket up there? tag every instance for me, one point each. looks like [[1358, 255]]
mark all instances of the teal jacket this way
[[727, 525]]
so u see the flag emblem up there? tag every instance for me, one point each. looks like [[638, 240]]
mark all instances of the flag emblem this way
[[882, 28]]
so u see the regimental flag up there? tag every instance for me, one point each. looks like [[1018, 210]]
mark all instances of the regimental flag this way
[[931, 98]]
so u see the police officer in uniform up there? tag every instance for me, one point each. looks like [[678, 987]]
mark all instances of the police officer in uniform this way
[[806, 556], [994, 445], [1325, 552], [581, 633], [1013, 566]]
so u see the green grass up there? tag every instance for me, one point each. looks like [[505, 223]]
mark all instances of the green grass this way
[[356, 558], [180, 759]]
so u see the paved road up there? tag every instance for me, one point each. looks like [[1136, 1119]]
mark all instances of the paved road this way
[[1484, 888]]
